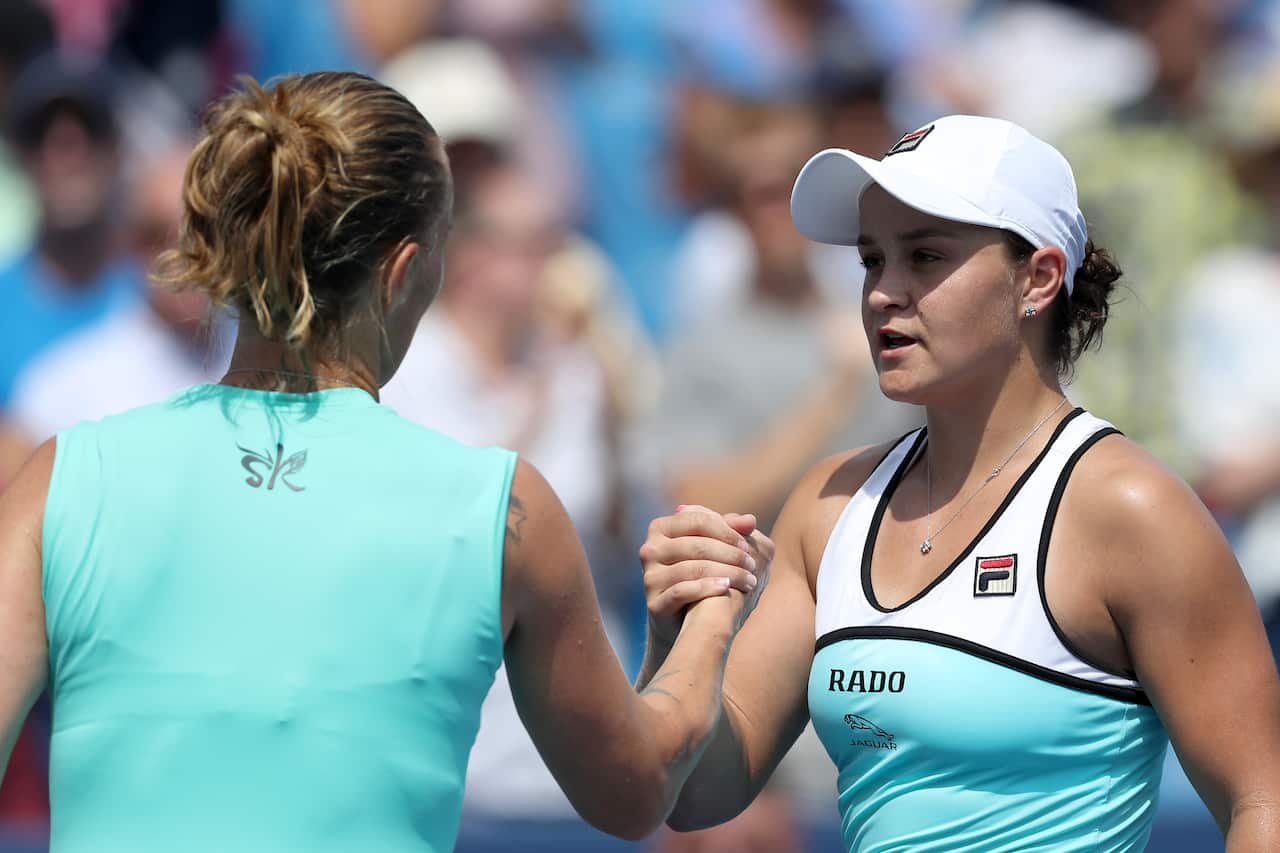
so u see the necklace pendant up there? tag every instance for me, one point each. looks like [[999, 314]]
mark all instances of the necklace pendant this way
[[926, 546]]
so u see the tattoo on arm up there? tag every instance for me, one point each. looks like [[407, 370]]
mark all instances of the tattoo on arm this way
[[516, 517], [653, 689]]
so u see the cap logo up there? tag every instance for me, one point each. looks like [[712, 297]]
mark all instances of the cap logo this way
[[910, 141]]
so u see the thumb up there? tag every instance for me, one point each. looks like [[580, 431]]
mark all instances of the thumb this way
[[744, 523]]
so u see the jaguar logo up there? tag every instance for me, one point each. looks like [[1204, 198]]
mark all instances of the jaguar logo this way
[[877, 738], [859, 723]]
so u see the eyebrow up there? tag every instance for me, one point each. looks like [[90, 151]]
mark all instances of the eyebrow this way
[[915, 234]]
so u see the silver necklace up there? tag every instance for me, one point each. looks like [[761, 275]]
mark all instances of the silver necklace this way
[[308, 376], [927, 544]]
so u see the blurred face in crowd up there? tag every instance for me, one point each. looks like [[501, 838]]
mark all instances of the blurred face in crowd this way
[[765, 160], [1183, 35], [74, 172], [155, 196], [940, 304], [502, 245]]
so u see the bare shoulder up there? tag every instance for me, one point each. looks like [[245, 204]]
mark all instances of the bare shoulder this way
[[533, 508], [1129, 510], [22, 505], [1119, 486], [817, 501], [542, 556], [29, 487]]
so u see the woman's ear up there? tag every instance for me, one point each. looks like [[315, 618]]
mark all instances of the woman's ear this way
[[396, 282], [1046, 275]]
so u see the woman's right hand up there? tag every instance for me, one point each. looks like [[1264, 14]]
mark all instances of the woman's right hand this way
[[698, 554]]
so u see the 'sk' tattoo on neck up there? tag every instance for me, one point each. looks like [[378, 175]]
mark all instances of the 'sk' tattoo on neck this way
[[275, 464], [516, 517]]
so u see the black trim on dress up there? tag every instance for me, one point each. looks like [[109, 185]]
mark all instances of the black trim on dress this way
[[869, 547], [890, 632], [1046, 533]]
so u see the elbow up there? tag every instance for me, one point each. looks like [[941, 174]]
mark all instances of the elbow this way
[[638, 832], [687, 823], [626, 819], [695, 819], [627, 803]]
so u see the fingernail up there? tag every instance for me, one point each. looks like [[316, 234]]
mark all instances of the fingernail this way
[[752, 580], [742, 543], [722, 581], [751, 564], [680, 508]]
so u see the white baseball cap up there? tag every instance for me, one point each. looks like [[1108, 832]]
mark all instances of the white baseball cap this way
[[983, 171]]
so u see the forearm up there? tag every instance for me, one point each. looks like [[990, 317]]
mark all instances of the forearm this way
[[713, 789], [757, 476], [681, 699], [1254, 827]]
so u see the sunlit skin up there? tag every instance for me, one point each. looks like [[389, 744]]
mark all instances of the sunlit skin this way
[[953, 290], [973, 359]]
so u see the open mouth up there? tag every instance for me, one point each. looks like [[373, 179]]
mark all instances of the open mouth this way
[[892, 341]]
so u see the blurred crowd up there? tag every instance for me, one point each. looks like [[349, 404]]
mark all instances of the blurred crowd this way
[[626, 302]]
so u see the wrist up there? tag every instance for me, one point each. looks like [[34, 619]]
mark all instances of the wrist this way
[[714, 616], [660, 638]]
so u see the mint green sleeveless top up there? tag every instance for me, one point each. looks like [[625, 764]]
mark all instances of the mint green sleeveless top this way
[[272, 619]]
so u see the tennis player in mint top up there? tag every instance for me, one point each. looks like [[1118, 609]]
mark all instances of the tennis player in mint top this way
[[268, 609], [997, 622]]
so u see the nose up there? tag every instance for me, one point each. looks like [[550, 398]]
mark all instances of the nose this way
[[886, 290]]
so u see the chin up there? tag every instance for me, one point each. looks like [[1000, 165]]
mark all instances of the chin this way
[[901, 387]]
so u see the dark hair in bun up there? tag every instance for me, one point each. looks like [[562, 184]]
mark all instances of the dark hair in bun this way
[[1076, 320]]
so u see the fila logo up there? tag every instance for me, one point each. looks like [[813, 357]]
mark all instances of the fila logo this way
[[995, 575], [910, 141]]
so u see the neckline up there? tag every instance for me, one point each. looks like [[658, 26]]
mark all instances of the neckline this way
[[346, 394], [868, 548]]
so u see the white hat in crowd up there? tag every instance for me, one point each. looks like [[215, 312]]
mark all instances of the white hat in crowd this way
[[461, 86]]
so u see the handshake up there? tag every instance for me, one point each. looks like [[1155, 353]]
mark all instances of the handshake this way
[[702, 559]]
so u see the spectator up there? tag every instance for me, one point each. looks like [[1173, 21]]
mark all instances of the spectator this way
[[718, 259], [760, 387], [290, 36], [999, 66], [188, 47], [63, 125], [1151, 179], [140, 353], [598, 76], [25, 32], [483, 369], [1228, 396], [467, 90]]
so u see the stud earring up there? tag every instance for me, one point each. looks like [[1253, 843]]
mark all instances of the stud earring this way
[[1029, 311]]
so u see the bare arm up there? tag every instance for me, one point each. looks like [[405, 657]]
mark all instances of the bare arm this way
[[14, 450], [619, 756], [1195, 639], [24, 653], [766, 680]]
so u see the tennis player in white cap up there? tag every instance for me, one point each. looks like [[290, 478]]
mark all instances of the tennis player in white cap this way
[[997, 622]]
